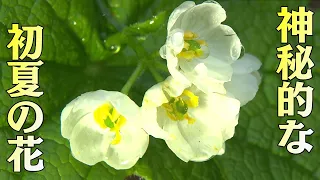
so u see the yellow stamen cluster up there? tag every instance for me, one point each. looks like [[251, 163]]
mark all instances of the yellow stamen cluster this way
[[177, 108], [106, 116], [192, 46]]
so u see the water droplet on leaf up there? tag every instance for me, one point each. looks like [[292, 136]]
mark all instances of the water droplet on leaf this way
[[114, 48], [141, 38]]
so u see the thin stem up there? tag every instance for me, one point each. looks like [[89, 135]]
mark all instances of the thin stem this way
[[134, 76], [156, 75], [144, 56]]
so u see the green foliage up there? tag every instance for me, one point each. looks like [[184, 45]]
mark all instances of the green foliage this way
[[90, 45]]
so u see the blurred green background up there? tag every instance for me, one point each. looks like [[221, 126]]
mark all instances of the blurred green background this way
[[90, 45]]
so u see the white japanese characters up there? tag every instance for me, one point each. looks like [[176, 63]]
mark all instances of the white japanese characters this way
[[25, 78], [295, 66]]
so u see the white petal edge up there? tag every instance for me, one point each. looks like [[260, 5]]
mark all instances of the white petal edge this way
[[88, 142], [78, 107], [177, 12], [201, 17], [174, 87], [88, 102], [247, 64], [243, 87], [133, 145], [223, 43]]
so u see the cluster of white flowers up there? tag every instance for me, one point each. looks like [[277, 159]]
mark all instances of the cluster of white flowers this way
[[195, 110]]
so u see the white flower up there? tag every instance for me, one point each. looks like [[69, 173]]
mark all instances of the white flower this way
[[104, 126], [245, 80], [195, 125], [199, 49]]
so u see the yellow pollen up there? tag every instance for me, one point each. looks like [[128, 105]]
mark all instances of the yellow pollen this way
[[192, 46], [106, 116], [193, 100], [202, 42], [121, 121], [188, 55], [198, 53], [177, 108], [190, 120], [101, 113], [186, 45], [188, 35]]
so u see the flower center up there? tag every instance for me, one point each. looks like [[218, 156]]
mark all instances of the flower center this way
[[177, 107], [193, 47], [106, 116]]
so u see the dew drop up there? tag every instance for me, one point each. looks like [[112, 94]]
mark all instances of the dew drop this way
[[243, 51], [114, 48], [151, 22], [237, 51], [141, 38], [74, 23], [83, 39], [163, 52]]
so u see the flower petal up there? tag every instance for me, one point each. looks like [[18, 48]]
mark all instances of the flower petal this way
[[223, 43], [201, 17], [205, 83], [91, 100], [216, 105], [154, 97], [89, 143], [172, 64], [177, 12], [179, 145], [175, 41], [173, 87], [229, 127], [151, 125], [219, 111], [133, 145], [125, 106], [247, 64], [69, 119], [243, 86], [77, 108], [195, 142], [210, 67], [215, 120], [68, 124]]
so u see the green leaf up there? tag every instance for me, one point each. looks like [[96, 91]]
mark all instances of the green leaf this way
[[251, 154]]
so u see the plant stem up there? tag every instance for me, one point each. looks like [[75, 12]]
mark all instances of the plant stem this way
[[134, 76], [156, 75]]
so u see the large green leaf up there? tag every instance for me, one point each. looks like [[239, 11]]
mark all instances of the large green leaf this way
[[251, 154]]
